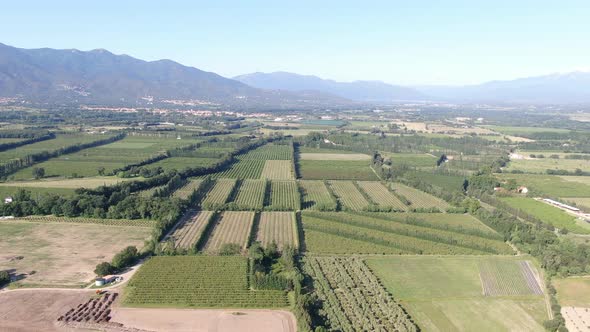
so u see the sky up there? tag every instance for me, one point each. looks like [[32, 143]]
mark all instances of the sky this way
[[407, 42]]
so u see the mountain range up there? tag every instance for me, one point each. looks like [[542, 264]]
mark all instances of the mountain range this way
[[50, 76]]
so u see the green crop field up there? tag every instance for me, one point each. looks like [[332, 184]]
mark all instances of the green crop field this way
[[445, 181], [316, 196], [348, 195], [412, 159], [6, 191], [447, 294], [336, 170], [548, 214], [461, 222], [180, 163], [516, 131], [242, 169], [269, 152], [553, 185], [198, 282], [541, 165], [419, 199], [381, 196], [284, 195], [376, 233], [305, 149], [250, 194]]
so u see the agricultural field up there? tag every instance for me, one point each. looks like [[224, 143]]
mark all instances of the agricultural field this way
[[548, 214], [180, 163], [373, 233], [230, 227], [412, 159], [460, 222], [447, 293], [348, 195], [278, 227], [336, 170], [129, 150], [573, 291], [334, 156], [242, 169], [278, 170], [185, 191], [189, 229], [553, 185], [446, 181], [269, 152], [85, 220], [581, 202], [6, 191], [316, 196], [198, 282], [381, 196], [250, 195], [418, 198], [541, 165], [62, 253], [352, 297], [284, 196], [219, 193], [517, 131]]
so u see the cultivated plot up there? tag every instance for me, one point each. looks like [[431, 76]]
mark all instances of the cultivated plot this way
[[188, 189], [381, 196], [189, 229], [278, 170], [334, 156], [505, 277], [316, 196], [278, 227], [250, 195], [419, 199], [336, 170], [350, 197], [219, 193], [284, 196], [231, 227]]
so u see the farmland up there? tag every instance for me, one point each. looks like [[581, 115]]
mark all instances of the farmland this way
[[219, 194], [284, 196], [242, 169], [336, 170], [278, 170], [381, 196], [548, 214], [180, 163], [334, 156], [373, 233], [316, 196], [553, 185], [67, 183], [251, 194], [231, 227], [573, 292], [189, 230], [278, 227], [348, 195], [445, 293], [352, 297], [413, 159], [62, 253], [419, 199], [185, 191], [541, 165], [269, 152], [198, 282]]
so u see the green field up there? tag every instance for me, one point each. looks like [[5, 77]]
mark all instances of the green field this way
[[548, 214], [553, 185], [179, 163], [316, 196], [6, 191], [412, 159], [284, 196], [419, 199], [336, 170], [198, 282], [517, 131], [541, 165], [345, 233], [445, 181], [574, 292], [446, 293]]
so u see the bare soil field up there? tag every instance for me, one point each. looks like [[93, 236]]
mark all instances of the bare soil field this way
[[577, 319], [90, 183], [334, 156], [62, 254], [37, 310], [206, 320]]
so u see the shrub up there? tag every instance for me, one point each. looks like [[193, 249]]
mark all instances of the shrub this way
[[103, 269], [229, 249], [4, 278]]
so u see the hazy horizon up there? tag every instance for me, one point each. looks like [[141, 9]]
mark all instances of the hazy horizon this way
[[425, 43]]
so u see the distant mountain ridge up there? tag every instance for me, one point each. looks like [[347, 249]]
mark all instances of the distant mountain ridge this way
[[101, 77], [363, 91]]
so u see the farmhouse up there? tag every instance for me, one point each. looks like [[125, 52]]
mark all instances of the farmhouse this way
[[522, 190]]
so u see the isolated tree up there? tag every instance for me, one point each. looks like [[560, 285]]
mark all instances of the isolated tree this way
[[100, 171], [38, 172], [103, 269]]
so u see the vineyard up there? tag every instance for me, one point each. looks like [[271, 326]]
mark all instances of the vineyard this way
[[83, 220], [381, 196], [189, 229], [269, 152], [349, 196], [401, 237], [278, 170], [185, 191], [284, 196], [336, 170], [198, 281], [278, 227], [504, 278], [231, 227], [353, 298], [218, 194], [250, 195], [419, 199], [316, 196], [242, 169]]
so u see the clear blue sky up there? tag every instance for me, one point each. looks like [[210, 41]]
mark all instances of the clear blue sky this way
[[406, 42]]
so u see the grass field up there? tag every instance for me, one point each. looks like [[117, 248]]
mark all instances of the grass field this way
[[334, 156], [230, 227], [541, 165], [446, 294], [448, 182], [180, 163], [371, 234], [419, 199], [62, 253], [516, 131], [348, 195], [582, 202], [381, 196], [553, 185], [278, 227], [129, 150], [316, 196], [336, 170], [574, 291], [251, 194], [305, 149], [278, 170], [198, 282], [412, 159], [548, 214], [284, 195]]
